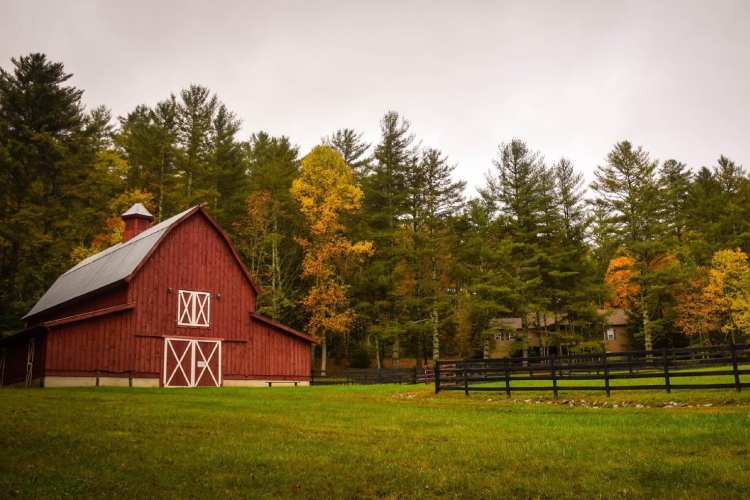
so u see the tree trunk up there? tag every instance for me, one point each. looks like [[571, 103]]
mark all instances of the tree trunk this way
[[646, 322], [274, 269], [161, 185], [323, 356], [435, 335], [434, 312], [420, 348], [377, 352], [394, 358]]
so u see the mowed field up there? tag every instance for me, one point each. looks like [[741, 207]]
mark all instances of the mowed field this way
[[370, 442]]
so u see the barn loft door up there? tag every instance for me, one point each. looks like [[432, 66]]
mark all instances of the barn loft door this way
[[190, 363]]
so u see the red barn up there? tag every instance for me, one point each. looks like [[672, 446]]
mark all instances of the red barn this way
[[172, 304]]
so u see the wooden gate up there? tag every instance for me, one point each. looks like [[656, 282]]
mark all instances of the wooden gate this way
[[192, 362]]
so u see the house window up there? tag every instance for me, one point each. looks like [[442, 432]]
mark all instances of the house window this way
[[511, 336], [193, 308], [498, 336], [610, 334]]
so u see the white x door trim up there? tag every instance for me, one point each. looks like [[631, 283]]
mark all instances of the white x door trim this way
[[193, 363]]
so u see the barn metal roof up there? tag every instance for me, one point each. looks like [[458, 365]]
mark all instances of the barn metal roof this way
[[104, 268]]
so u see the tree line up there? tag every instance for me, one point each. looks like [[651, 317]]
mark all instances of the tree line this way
[[375, 247]]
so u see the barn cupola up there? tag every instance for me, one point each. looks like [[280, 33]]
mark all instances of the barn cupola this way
[[137, 219]]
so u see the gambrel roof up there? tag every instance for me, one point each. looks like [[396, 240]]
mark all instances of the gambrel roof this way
[[117, 264]]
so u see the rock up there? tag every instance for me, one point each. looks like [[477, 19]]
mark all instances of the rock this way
[[615, 405], [527, 401], [639, 406], [565, 402], [708, 405], [489, 400]]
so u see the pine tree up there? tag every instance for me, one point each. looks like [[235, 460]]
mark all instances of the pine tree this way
[[48, 147], [628, 187], [440, 198], [197, 109], [349, 144], [519, 193], [384, 207], [228, 169]]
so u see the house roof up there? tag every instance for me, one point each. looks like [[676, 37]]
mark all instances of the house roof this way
[[117, 264], [615, 317]]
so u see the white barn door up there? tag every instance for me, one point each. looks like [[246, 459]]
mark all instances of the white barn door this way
[[192, 362]]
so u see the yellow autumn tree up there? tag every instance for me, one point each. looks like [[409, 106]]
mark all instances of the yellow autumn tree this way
[[326, 190], [729, 280], [700, 309]]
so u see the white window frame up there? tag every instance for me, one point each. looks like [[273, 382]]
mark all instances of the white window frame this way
[[511, 336], [193, 308], [611, 334]]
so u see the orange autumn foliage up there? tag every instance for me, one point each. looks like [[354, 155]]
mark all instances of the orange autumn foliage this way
[[621, 279]]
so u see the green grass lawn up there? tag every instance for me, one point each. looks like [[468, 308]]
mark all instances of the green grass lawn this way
[[369, 442]]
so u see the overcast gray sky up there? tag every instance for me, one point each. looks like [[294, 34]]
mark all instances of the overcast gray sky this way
[[570, 78]]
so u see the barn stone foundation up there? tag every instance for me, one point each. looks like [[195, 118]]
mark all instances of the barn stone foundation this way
[[103, 382], [264, 383]]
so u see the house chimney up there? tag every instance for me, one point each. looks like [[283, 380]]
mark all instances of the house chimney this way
[[137, 220]]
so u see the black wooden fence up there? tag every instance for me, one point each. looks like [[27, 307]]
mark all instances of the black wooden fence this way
[[665, 368], [367, 376]]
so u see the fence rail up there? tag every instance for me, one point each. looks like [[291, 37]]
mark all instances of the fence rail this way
[[667, 366], [368, 376]]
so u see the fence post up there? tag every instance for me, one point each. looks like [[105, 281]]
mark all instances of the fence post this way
[[97, 378], [130, 381], [606, 373], [666, 370], [630, 361], [380, 375], [554, 374], [736, 369], [507, 377], [312, 376], [436, 375], [466, 379], [414, 376]]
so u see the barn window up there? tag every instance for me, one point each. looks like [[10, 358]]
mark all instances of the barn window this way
[[610, 334], [193, 308]]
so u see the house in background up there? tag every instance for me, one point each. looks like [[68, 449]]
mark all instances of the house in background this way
[[173, 303], [509, 329]]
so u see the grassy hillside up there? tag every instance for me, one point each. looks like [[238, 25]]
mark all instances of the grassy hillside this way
[[369, 442]]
